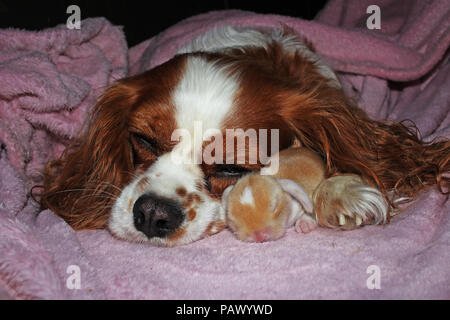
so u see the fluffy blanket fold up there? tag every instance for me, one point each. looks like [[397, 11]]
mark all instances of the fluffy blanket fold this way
[[50, 79]]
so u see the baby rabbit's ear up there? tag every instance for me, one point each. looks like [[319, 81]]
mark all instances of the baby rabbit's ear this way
[[298, 193], [225, 195]]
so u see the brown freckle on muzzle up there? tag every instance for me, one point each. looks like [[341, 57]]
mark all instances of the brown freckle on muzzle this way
[[177, 234], [190, 199], [197, 198], [191, 214], [181, 191]]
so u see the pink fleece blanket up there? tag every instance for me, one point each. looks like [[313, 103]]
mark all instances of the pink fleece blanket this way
[[49, 80]]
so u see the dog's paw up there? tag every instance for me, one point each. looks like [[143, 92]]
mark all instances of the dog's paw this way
[[346, 202]]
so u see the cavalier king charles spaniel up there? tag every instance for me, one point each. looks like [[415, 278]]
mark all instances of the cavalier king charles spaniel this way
[[138, 168]]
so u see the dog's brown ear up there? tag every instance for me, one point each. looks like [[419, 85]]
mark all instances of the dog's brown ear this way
[[389, 155], [82, 184]]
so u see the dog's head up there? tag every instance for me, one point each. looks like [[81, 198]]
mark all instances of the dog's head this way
[[162, 146], [192, 129]]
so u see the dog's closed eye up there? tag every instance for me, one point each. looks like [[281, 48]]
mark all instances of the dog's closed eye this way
[[224, 175], [230, 171], [149, 144]]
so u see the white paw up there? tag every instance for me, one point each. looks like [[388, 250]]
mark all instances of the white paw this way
[[346, 202]]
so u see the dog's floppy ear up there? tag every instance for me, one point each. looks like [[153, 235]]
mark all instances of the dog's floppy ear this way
[[298, 193], [83, 183]]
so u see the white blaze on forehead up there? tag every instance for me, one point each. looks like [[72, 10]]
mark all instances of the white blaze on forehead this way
[[204, 94], [247, 197]]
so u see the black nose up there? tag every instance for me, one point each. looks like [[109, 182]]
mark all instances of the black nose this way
[[156, 216]]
